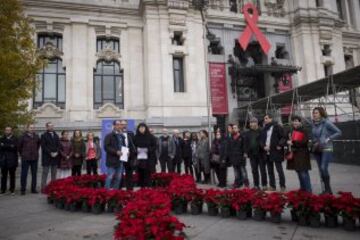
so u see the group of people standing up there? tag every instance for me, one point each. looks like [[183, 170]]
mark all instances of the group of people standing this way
[[264, 148], [62, 156]]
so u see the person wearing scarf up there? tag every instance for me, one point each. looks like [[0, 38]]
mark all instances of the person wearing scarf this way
[[272, 142]]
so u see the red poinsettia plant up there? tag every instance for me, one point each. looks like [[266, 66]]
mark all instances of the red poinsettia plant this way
[[348, 205], [224, 199], [258, 200], [274, 203], [148, 217], [329, 207], [242, 199], [210, 196], [180, 188]]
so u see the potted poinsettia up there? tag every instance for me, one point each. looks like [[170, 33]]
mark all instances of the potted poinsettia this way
[[316, 204], [211, 202], [197, 200], [275, 204], [242, 203], [180, 192], [258, 202], [97, 200], [224, 201], [330, 210], [298, 202], [349, 208]]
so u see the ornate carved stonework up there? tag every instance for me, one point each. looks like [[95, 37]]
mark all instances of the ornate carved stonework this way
[[108, 55], [49, 110], [275, 7], [49, 51], [178, 4], [108, 110]]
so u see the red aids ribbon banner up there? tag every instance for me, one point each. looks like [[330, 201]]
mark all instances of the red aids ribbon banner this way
[[218, 90], [252, 28]]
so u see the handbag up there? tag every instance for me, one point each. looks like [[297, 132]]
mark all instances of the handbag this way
[[215, 158], [289, 156]]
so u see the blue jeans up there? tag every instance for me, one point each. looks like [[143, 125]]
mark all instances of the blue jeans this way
[[323, 159], [113, 176], [304, 179]]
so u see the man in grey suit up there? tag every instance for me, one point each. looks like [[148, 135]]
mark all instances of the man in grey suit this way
[[166, 152]]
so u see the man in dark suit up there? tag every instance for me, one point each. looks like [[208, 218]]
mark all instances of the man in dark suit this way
[[8, 151], [113, 144], [50, 148], [272, 142]]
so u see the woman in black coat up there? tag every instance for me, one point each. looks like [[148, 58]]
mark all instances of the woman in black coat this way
[[218, 158], [235, 152], [298, 144], [145, 147]]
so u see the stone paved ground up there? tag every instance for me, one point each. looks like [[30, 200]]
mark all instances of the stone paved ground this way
[[30, 217]]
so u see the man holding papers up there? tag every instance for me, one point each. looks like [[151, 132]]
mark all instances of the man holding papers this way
[[119, 152]]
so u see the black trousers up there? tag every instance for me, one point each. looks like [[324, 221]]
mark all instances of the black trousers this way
[[177, 164], [76, 170], [279, 169], [129, 183], [257, 163], [188, 166], [91, 166], [166, 162], [221, 174], [5, 171], [25, 165], [144, 176]]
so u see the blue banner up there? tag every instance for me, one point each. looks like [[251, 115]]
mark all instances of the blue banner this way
[[106, 128]]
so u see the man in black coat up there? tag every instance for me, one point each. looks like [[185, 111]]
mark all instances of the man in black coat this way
[[272, 142], [50, 149], [29, 145], [8, 152], [178, 143], [113, 144], [254, 152]]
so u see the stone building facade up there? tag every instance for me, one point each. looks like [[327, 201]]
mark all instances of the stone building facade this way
[[144, 59]]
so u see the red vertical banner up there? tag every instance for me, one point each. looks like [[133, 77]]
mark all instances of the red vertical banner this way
[[218, 90], [285, 84]]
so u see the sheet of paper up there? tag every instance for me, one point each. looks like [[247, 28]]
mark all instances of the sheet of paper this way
[[142, 153], [125, 154]]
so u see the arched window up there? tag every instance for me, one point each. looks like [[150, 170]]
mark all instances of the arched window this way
[[51, 84], [51, 78], [108, 84]]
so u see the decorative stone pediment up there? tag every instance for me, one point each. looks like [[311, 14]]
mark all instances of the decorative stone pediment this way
[[49, 51], [275, 7], [108, 110], [49, 110], [108, 55]]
